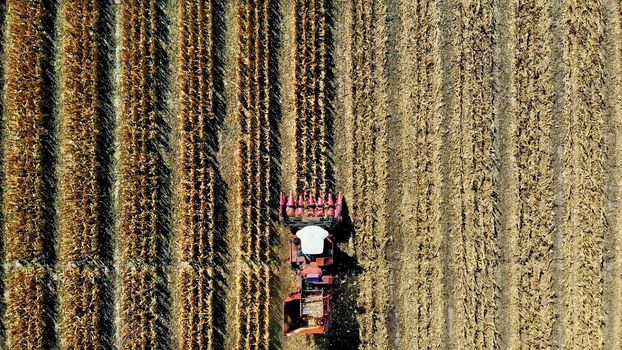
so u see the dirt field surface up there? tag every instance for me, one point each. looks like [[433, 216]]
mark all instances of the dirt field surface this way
[[145, 142]]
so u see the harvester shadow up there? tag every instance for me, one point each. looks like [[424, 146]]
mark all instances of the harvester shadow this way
[[344, 331]]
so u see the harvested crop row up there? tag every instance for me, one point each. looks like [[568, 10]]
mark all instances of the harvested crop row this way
[[27, 169], [421, 318], [584, 158], [472, 168], [532, 294], [313, 166], [368, 171], [142, 185], [196, 177], [253, 279], [83, 209]]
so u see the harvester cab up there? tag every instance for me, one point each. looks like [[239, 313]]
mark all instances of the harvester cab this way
[[306, 309]]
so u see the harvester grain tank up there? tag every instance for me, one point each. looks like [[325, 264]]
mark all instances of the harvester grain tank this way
[[307, 308]]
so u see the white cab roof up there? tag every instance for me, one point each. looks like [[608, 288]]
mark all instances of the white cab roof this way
[[312, 239]]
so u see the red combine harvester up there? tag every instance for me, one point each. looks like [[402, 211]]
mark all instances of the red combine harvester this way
[[307, 308]]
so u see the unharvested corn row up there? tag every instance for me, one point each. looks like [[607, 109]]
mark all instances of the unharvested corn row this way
[[253, 280], [197, 171], [141, 215], [27, 226], [421, 274], [313, 165], [85, 313], [584, 183], [368, 134], [531, 290], [473, 247]]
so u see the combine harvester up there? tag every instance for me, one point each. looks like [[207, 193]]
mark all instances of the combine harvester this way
[[307, 308]]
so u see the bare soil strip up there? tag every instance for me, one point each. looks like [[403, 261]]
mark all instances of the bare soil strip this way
[[368, 135], [84, 205], [472, 164], [584, 160], [27, 204], [198, 184], [255, 175], [142, 213], [422, 309], [313, 166], [532, 224]]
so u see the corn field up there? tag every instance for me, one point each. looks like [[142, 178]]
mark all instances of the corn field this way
[[477, 144]]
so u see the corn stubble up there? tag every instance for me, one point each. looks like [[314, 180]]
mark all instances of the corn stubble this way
[[197, 171], [255, 175], [472, 162], [584, 197], [533, 224], [368, 135], [26, 210], [421, 318], [141, 216], [85, 311]]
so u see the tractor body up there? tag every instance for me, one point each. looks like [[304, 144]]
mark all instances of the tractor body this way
[[307, 308]]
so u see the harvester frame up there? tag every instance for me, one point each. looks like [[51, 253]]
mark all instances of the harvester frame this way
[[307, 308]]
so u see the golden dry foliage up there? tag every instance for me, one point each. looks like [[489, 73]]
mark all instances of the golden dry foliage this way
[[255, 174], [532, 302], [368, 135], [422, 314], [25, 131], [196, 177], [312, 166], [84, 308], [27, 232], [473, 245], [584, 179], [79, 206], [141, 233], [28, 314], [83, 303], [195, 305], [141, 304]]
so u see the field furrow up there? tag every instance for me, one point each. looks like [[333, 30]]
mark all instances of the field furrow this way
[[255, 173], [531, 288], [473, 201], [84, 206], [142, 215], [27, 201], [584, 179], [312, 168], [197, 178], [422, 308], [368, 134]]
